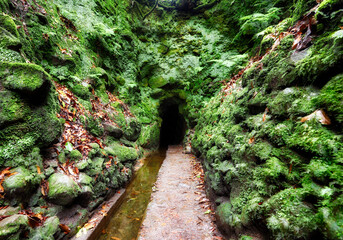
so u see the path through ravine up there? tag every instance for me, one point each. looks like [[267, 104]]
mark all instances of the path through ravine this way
[[178, 207]]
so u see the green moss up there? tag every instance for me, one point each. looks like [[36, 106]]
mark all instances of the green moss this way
[[7, 55], [22, 76], [11, 227], [224, 212], [150, 135], [313, 137], [75, 155], [94, 126], [122, 153], [326, 7], [294, 218], [9, 36], [292, 102], [47, 231], [62, 189], [331, 98], [18, 183], [133, 129], [12, 107]]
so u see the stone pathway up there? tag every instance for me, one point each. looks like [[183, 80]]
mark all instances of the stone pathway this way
[[174, 212]]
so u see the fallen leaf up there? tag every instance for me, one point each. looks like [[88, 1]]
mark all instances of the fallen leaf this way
[[115, 238], [319, 115], [38, 170], [251, 140], [64, 228]]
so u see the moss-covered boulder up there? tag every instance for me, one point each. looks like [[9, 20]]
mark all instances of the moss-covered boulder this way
[[19, 183], [13, 226], [122, 153], [113, 130], [62, 189], [23, 77], [132, 130]]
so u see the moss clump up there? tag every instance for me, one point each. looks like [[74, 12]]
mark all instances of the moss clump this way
[[62, 189], [133, 129], [9, 36], [19, 183], [149, 137], [12, 107], [13, 226], [122, 153], [23, 77], [331, 98], [294, 218], [47, 231]]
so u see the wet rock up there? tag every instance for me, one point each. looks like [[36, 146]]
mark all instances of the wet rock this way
[[85, 196], [300, 55], [13, 225], [62, 189], [47, 231], [18, 183], [113, 130], [73, 217]]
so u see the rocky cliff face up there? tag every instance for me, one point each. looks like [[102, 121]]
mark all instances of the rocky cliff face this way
[[83, 85]]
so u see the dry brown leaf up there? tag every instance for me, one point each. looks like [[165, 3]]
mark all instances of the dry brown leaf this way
[[251, 140], [319, 115]]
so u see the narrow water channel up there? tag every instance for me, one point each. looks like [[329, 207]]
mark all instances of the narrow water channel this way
[[128, 218]]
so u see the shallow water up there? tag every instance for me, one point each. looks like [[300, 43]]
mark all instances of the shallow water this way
[[128, 218]]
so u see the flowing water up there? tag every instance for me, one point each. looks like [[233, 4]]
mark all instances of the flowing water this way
[[128, 218]]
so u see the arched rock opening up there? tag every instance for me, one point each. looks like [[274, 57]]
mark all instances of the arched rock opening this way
[[173, 123]]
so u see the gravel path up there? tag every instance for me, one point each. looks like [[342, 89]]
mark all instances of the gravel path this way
[[175, 212]]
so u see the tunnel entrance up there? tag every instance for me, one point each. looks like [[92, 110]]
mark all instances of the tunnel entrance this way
[[173, 123]]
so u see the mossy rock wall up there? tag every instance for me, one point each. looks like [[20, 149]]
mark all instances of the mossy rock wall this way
[[271, 143], [273, 161]]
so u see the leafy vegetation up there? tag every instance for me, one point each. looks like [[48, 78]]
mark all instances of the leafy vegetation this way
[[82, 85]]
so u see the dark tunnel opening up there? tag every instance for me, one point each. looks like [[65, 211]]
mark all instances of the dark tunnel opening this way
[[173, 123]]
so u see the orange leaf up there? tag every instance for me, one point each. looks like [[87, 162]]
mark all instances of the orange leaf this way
[[115, 238], [38, 170], [251, 140], [64, 228]]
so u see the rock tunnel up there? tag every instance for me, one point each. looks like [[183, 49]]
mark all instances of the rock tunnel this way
[[173, 123]]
